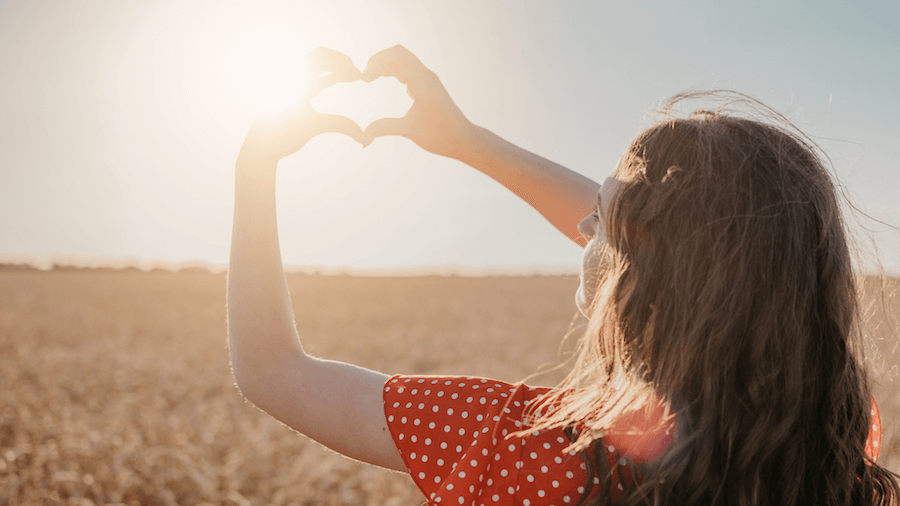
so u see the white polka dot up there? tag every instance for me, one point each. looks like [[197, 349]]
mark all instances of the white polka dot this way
[[461, 385], [484, 452], [497, 456], [403, 419], [469, 399], [541, 493], [511, 490], [495, 497], [875, 444], [427, 392], [421, 476], [391, 418], [479, 417], [554, 482], [400, 390], [533, 455], [396, 404], [572, 452], [503, 472], [388, 389], [413, 438], [440, 462], [449, 411], [497, 419], [566, 498], [475, 387], [435, 408], [408, 405], [458, 448], [424, 458], [490, 482], [560, 440], [461, 500], [446, 428], [544, 469], [471, 488], [394, 380], [427, 441], [558, 460], [512, 447], [507, 411], [448, 382], [444, 445], [464, 414], [519, 464], [526, 502], [490, 389], [454, 396], [440, 393], [473, 463], [622, 462], [417, 421], [414, 391], [546, 446], [437, 479], [530, 478], [596, 480], [611, 448], [412, 456], [421, 381], [570, 474], [620, 486], [462, 474], [421, 405], [400, 437], [874, 427], [483, 400], [462, 432], [535, 433]]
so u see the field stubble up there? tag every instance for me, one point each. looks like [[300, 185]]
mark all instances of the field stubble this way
[[115, 386]]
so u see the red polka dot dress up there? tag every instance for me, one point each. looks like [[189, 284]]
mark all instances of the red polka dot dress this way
[[461, 440]]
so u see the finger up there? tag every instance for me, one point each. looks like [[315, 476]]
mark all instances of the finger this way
[[340, 124], [386, 126], [396, 62], [338, 64]]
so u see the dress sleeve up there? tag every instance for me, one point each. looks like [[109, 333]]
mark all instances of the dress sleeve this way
[[463, 442], [873, 442]]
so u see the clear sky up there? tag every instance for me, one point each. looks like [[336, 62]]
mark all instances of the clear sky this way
[[120, 121]]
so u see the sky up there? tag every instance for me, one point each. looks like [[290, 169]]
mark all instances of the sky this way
[[120, 122]]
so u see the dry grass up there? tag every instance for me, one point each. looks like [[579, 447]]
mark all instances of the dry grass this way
[[115, 385]]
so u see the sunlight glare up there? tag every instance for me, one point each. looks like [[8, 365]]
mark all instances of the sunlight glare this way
[[267, 74]]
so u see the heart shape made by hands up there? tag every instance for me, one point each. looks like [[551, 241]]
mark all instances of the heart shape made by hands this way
[[364, 102]]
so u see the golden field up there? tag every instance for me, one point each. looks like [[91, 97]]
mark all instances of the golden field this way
[[115, 386]]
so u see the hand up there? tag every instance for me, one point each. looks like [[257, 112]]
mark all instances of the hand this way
[[433, 122], [280, 136]]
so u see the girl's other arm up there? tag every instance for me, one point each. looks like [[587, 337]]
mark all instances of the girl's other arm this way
[[436, 124]]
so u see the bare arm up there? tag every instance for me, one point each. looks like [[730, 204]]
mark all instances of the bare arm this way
[[436, 124], [337, 404]]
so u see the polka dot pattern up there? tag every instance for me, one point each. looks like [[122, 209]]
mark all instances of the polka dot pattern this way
[[873, 442], [468, 451]]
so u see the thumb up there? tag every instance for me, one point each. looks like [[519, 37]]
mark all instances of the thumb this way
[[385, 126]]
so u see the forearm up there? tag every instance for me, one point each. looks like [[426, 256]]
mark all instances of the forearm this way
[[260, 318], [562, 196]]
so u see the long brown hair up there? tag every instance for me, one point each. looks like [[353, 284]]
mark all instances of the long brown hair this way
[[729, 294]]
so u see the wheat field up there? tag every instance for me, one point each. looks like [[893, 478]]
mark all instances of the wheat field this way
[[115, 385]]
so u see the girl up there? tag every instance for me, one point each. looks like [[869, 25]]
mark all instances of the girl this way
[[720, 362]]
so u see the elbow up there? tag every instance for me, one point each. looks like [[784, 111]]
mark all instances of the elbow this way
[[261, 376]]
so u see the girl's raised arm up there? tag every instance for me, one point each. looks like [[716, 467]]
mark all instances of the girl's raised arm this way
[[436, 124], [336, 404]]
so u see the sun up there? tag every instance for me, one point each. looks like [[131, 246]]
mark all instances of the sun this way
[[265, 71]]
